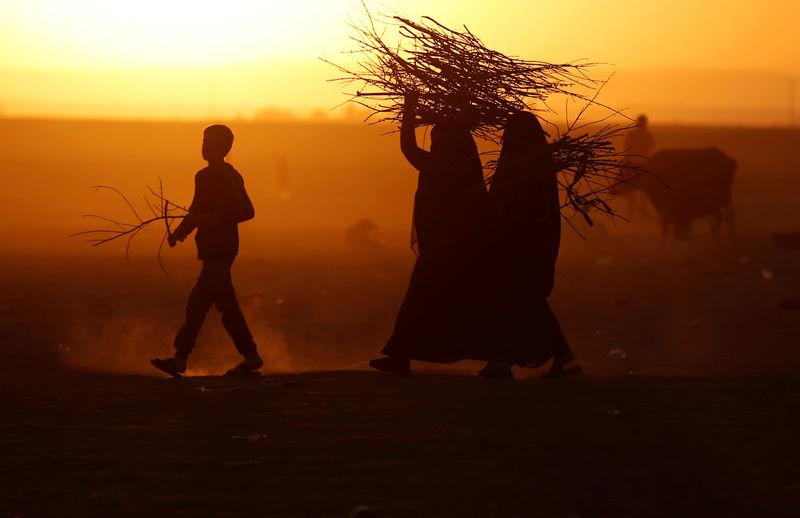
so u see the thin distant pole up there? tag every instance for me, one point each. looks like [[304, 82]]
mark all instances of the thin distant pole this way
[[792, 100]]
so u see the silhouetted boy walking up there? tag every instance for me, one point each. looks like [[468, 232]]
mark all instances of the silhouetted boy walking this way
[[220, 203]]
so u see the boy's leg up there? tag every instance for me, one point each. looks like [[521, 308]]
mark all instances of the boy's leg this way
[[233, 319], [205, 291]]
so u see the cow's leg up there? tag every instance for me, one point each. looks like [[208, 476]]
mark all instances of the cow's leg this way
[[730, 216], [715, 223]]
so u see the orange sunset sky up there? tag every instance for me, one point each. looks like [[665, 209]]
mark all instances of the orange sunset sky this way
[[680, 60]]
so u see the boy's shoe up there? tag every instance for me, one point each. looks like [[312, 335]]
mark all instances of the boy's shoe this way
[[241, 370], [174, 366], [392, 365], [496, 370], [251, 363]]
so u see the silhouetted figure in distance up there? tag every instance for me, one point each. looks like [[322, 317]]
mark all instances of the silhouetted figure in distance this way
[[437, 317], [524, 238], [220, 203], [639, 143]]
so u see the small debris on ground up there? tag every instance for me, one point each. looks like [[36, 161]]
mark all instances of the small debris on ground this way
[[617, 354]]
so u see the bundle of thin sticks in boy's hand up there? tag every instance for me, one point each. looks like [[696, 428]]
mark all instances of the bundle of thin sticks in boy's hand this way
[[160, 210], [454, 75]]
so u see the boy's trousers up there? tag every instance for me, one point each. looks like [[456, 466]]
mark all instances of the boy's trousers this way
[[214, 286]]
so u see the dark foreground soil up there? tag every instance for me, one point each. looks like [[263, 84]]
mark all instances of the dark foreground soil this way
[[688, 405], [320, 444]]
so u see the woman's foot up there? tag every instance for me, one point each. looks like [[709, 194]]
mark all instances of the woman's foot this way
[[559, 367], [496, 370], [392, 365]]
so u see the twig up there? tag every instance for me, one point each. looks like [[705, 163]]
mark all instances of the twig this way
[[157, 203], [453, 73]]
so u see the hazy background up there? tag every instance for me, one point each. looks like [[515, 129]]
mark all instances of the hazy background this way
[[118, 94]]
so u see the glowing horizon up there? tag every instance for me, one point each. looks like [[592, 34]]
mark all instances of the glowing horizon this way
[[97, 33], [173, 59]]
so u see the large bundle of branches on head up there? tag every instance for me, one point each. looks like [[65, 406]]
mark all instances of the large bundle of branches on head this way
[[453, 73], [455, 76]]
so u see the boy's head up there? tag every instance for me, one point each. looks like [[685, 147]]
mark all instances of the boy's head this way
[[217, 141]]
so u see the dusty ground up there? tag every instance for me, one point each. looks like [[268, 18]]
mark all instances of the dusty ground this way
[[434, 445], [699, 419]]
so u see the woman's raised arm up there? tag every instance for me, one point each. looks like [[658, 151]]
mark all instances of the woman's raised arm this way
[[408, 138]]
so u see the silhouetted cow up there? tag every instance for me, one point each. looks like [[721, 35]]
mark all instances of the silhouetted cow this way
[[686, 184]]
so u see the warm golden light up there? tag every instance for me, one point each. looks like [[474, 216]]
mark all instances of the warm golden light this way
[[200, 58], [92, 33]]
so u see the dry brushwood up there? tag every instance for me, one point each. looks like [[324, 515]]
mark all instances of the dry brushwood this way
[[161, 209], [454, 75], [588, 163], [587, 166]]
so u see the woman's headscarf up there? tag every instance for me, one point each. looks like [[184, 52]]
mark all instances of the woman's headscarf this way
[[524, 150]]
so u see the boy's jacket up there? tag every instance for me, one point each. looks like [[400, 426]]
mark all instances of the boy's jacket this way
[[220, 203]]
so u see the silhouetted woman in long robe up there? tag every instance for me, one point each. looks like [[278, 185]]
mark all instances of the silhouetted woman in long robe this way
[[435, 322], [524, 236]]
